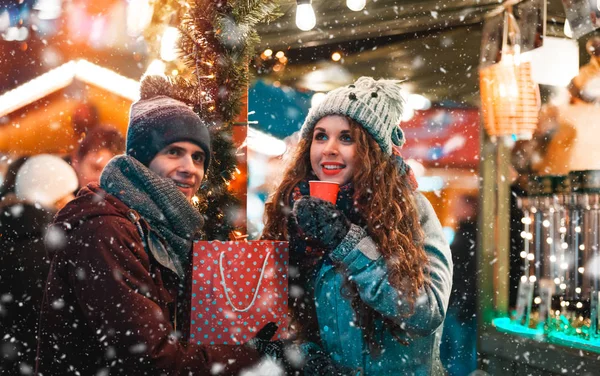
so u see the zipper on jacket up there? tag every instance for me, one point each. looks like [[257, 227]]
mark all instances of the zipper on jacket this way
[[175, 320]]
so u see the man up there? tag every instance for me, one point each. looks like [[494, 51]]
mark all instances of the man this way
[[93, 153], [119, 255]]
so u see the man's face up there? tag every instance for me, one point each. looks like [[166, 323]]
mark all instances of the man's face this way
[[182, 162], [90, 167]]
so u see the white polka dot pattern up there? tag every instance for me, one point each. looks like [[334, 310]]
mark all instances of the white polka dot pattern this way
[[257, 301]]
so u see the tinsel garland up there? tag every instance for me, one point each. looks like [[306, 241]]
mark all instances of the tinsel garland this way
[[218, 39]]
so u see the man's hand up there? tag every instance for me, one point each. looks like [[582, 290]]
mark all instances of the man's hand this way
[[262, 342]]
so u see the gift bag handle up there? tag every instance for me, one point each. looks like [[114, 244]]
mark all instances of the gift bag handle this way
[[262, 273]]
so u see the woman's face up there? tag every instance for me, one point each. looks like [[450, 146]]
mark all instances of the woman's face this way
[[333, 150]]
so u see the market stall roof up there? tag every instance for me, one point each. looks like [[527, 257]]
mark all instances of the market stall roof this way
[[40, 116], [434, 46], [63, 76]]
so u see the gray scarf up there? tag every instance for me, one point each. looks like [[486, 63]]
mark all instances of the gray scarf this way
[[159, 202]]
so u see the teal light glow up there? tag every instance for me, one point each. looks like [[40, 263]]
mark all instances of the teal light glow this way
[[505, 325], [575, 342]]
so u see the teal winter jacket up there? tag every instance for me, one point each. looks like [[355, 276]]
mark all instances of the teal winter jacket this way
[[422, 330]]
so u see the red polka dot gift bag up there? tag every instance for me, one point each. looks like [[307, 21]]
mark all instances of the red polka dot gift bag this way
[[237, 288]]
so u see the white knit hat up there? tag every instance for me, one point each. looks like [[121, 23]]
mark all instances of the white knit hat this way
[[45, 179], [376, 105]]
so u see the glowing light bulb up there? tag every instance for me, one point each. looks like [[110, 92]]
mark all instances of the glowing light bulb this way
[[168, 44], [567, 29], [156, 68], [139, 16], [357, 5], [305, 16]]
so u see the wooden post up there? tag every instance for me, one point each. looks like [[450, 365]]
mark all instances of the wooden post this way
[[494, 235], [502, 264], [487, 246]]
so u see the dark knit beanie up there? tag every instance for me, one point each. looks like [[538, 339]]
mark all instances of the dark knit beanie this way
[[157, 120]]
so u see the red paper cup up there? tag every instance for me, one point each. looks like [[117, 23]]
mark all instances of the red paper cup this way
[[325, 190]]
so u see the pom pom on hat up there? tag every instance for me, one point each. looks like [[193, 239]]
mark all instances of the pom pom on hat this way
[[153, 86], [157, 120], [45, 179], [377, 105]]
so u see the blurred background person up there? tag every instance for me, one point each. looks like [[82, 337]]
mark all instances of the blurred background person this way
[[43, 184], [7, 190], [458, 349], [94, 151]]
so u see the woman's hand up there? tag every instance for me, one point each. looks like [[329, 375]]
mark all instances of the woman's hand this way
[[320, 221]]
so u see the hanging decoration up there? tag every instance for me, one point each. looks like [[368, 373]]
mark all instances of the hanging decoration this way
[[217, 40], [510, 99]]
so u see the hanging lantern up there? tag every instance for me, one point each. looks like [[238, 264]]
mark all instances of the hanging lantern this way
[[510, 99]]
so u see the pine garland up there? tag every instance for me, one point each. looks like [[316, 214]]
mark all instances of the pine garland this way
[[218, 39]]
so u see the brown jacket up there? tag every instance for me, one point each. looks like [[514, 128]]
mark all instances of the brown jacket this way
[[110, 307]]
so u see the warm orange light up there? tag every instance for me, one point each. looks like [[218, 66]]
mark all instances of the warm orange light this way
[[510, 100]]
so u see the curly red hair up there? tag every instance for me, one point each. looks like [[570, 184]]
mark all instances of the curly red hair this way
[[385, 198]]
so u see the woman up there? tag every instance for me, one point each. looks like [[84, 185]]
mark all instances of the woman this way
[[370, 277]]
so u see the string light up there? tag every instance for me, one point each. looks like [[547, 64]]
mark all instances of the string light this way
[[168, 44], [356, 5], [567, 29], [305, 15], [156, 68], [336, 56]]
